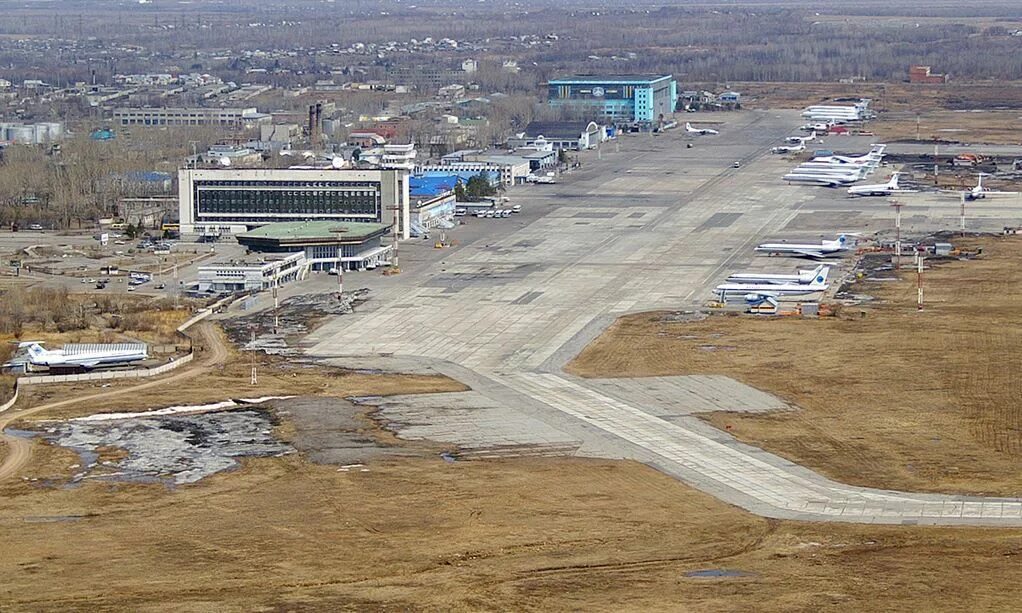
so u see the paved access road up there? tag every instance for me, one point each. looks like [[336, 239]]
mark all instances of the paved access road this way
[[650, 225]]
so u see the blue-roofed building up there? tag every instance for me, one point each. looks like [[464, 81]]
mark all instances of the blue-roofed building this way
[[102, 134], [432, 200], [617, 99], [465, 172], [433, 185]]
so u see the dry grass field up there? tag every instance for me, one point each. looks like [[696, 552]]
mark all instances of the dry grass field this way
[[887, 396], [887, 97], [425, 535], [896, 398]]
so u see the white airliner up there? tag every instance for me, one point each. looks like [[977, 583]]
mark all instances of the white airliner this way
[[882, 189], [825, 180], [794, 140], [815, 168], [699, 131], [758, 291], [802, 277], [85, 356], [822, 250], [789, 148], [979, 192], [873, 157]]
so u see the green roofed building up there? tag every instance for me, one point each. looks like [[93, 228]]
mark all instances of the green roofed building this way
[[355, 245]]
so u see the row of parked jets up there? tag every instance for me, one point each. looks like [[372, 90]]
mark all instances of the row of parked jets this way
[[837, 170], [767, 288]]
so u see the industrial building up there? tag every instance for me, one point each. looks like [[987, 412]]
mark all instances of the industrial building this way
[[195, 116], [223, 201], [31, 133], [323, 244], [570, 135], [251, 274], [616, 99], [922, 74]]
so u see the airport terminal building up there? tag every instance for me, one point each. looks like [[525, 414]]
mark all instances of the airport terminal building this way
[[617, 99], [220, 202], [324, 245]]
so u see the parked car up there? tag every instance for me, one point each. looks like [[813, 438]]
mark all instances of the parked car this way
[[516, 208]]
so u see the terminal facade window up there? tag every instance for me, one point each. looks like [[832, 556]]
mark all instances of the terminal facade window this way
[[287, 200]]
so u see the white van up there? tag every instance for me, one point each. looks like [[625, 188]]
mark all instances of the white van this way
[[516, 208]]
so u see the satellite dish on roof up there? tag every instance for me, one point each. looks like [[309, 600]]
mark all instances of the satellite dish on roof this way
[[225, 161], [337, 162]]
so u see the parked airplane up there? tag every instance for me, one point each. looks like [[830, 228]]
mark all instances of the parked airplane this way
[[825, 180], [822, 250], [875, 154], [795, 140], [789, 148], [763, 290], [882, 189], [802, 277], [85, 356], [817, 168], [699, 131], [980, 191]]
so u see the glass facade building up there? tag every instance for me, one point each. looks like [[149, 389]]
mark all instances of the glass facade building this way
[[616, 99], [221, 201]]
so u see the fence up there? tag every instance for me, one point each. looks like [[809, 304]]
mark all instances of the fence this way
[[112, 374]]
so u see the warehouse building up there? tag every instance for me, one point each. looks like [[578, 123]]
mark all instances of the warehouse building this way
[[570, 135], [616, 99], [216, 202], [193, 116], [323, 244]]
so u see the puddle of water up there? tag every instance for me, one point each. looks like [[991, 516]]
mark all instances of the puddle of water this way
[[47, 519], [717, 573]]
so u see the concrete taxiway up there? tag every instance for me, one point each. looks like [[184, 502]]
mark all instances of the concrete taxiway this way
[[649, 225]]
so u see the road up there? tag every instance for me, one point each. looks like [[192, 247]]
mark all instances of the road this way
[[19, 450], [651, 225]]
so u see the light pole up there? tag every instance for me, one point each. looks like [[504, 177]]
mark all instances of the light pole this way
[[340, 261], [897, 233]]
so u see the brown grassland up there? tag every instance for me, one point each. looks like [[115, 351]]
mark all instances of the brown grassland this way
[[564, 533], [886, 396]]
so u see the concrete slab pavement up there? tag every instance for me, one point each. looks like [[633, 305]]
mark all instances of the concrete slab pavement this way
[[651, 225]]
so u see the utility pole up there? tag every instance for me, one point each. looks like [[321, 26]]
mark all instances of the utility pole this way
[[276, 304], [340, 262], [897, 233], [255, 379], [394, 265], [340, 273], [962, 194], [919, 283], [936, 164]]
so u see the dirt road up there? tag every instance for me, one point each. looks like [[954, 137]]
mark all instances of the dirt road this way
[[19, 450]]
